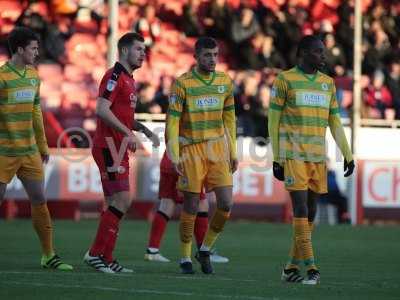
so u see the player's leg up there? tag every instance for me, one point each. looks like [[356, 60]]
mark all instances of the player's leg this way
[[191, 184], [214, 256], [31, 175], [42, 224], [201, 227], [221, 215], [100, 255], [317, 186], [312, 207], [218, 179], [3, 187], [116, 191], [169, 196], [186, 229], [201, 223], [296, 182], [119, 205], [301, 240], [9, 166], [165, 211]]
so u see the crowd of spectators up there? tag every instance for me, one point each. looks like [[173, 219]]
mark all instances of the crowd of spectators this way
[[257, 39]]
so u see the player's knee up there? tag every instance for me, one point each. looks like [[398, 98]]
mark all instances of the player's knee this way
[[123, 204], [37, 198], [127, 205], [191, 202], [311, 213], [300, 210], [203, 205], [191, 207], [167, 207], [225, 205]]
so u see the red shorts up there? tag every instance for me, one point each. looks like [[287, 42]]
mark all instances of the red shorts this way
[[113, 181], [167, 188]]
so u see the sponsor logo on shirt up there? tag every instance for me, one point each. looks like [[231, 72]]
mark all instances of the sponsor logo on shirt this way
[[221, 89], [111, 84], [207, 102], [24, 95], [273, 91], [34, 81], [324, 86], [308, 98], [172, 99]]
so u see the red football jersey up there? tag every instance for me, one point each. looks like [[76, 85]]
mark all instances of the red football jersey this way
[[117, 86]]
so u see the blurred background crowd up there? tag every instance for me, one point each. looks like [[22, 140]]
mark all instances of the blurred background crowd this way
[[257, 39]]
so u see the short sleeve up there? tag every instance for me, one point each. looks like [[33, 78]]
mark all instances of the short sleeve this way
[[176, 99], [108, 88]]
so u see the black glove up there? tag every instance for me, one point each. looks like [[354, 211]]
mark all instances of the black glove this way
[[348, 168], [278, 171]]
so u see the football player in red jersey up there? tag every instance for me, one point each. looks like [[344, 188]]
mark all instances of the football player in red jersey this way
[[170, 197], [113, 140]]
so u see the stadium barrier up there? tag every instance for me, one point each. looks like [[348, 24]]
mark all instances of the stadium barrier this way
[[72, 180]]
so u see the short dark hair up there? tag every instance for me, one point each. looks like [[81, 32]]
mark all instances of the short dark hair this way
[[205, 42], [20, 37], [127, 40], [306, 42]]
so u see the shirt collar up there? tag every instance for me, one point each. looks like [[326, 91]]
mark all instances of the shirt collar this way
[[119, 65]]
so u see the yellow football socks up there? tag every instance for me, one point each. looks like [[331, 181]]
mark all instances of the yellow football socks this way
[[294, 255], [216, 226], [302, 236], [42, 223], [186, 228]]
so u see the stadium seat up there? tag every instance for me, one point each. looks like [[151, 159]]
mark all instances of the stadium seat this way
[[50, 73], [74, 73], [10, 9]]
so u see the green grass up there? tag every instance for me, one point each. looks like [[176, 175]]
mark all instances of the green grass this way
[[356, 263]]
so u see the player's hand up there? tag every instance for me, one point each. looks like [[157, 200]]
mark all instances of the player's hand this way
[[178, 169], [348, 168], [131, 142], [45, 158], [234, 165], [278, 171]]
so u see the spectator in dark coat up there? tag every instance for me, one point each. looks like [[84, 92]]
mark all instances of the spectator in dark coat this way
[[244, 27], [393, 84]]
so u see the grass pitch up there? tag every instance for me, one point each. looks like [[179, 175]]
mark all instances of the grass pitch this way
[[356, 263]]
